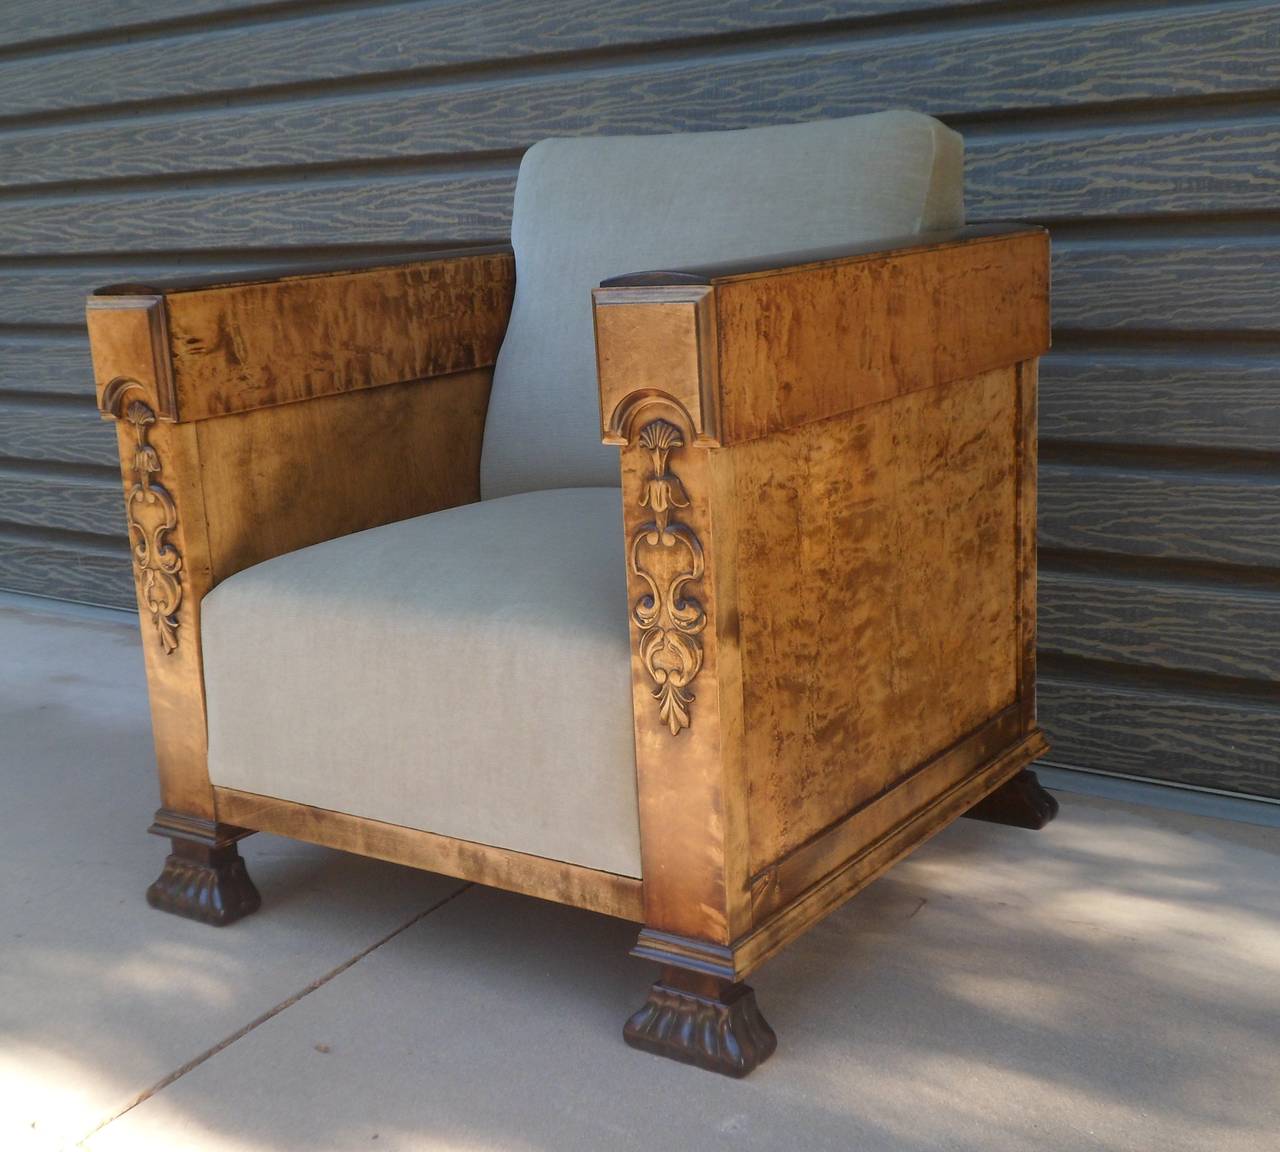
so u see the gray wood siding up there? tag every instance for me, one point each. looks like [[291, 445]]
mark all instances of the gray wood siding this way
[[143, 139]]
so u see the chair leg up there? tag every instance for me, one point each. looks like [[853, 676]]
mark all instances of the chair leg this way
[[1020, 802], [204, 877], [702, 1020]]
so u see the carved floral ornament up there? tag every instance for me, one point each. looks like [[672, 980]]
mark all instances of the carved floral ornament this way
[[668, 557], [152, 515]]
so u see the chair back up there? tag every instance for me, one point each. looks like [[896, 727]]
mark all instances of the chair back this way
[[594, 207]]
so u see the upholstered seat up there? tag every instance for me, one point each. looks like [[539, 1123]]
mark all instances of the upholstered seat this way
[[466, 673]]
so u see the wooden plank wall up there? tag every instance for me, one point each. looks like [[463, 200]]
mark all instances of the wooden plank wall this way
[[142, 137]]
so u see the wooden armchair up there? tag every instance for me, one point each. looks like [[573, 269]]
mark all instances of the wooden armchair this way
[[386, 612]]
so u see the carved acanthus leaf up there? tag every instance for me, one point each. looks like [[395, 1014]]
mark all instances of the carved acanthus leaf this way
[[668, 557], [152, 515]]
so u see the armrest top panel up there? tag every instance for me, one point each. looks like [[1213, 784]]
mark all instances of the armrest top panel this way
[[769, 346], [284, 273], [777, 263], [219, 348]]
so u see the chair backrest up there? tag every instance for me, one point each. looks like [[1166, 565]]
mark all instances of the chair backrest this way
[[594, 207]]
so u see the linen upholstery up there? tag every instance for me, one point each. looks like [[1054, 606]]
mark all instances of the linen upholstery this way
[[467, 673], [590, 208]]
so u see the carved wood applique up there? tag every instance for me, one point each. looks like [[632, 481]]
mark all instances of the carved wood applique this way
[[668, 557], [152, 516]]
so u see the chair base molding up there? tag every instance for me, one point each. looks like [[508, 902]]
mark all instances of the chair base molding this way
[[556, 880], [809, 895], [196, 829], [701, 1020], [205, 882], [1020, 803]]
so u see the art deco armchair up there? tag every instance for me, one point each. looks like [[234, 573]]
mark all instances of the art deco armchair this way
[[394, 599]]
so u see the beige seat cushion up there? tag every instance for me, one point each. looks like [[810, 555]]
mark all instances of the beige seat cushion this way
[[466, 673]]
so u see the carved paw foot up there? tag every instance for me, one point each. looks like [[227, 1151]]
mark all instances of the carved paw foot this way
[[208, 884], [1020, 803], [703, 1021]]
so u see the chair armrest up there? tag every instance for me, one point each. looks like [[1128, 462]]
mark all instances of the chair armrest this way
[[774, 342], [256, 418], [828, 492], [225, 346]]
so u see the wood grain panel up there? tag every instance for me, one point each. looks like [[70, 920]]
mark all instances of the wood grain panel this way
[[1008, 65], [277, 213], [1195, 284], [806, 864], [247, 346], [1178, 737], [47, 363], [331, 46], [362, 458], [1183, 397], [67, 433], [1231, 518], [93, 571], [1213, 630], [26, 22], [1228, 167], [1125, 170], [955, 308], [689, 765], [819, 504], [72, 501]]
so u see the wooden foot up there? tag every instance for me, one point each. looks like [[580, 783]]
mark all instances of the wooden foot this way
[[702, 1020], [204, 877], [1020, 803]]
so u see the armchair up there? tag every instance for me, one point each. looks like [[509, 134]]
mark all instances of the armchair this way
[[395, 601]]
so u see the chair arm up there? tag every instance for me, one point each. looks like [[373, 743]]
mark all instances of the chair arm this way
[[256, 418], [828, 491], [225, 346], [774, 342]]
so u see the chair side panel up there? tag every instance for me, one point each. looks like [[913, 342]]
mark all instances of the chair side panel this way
[[878, 578], [281, 478]]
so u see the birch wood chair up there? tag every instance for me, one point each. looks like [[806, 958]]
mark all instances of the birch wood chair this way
[[397, 596]]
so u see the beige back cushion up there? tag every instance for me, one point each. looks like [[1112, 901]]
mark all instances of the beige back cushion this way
[[590, 208]]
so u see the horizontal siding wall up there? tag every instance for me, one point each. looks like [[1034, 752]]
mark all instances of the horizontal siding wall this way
[[142, 139]]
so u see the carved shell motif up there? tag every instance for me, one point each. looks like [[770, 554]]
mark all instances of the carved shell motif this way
[[152, 516], [668, 557]]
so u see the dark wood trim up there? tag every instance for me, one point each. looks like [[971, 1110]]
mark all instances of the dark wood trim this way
[[701, 1020], [197, 829], [1018, 803], [203, 879]]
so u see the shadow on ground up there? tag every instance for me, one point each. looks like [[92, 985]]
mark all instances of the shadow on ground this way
[[1109, 983]]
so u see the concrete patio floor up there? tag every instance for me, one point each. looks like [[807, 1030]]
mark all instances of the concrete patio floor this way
[[1110, 983]]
